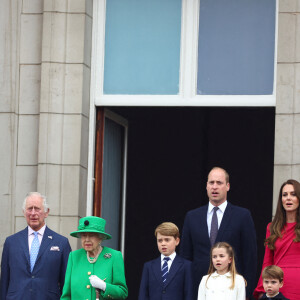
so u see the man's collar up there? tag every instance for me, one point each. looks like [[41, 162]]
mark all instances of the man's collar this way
[[222, 207], [41, 231]]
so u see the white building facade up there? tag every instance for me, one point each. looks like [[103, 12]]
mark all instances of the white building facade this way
[[58, 65]]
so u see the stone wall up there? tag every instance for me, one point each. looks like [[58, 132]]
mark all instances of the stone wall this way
[[287, 127], [45, 66], [44, 110]]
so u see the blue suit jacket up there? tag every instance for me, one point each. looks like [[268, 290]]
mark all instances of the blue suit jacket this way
[[177, 287], [47, 277], [236, 228]]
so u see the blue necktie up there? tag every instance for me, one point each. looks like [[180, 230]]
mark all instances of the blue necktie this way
[[165, 269], [35, 246], [214, 227]]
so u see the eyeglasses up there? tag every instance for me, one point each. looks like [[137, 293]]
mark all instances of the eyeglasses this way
[[35, 209]]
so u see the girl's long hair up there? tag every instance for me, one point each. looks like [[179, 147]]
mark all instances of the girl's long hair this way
[[231, 267], [279, 220]]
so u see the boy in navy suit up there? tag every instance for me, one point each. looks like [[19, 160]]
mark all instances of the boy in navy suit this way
[[272, 281], [168, 276]]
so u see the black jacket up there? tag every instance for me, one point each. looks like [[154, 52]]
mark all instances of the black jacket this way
[[278, 297]]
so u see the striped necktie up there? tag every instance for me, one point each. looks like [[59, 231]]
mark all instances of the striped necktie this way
[[165, 269], [35, 246]]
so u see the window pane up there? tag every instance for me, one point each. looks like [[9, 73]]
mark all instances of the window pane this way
[[112, 180], [236, 47], [142, 47]]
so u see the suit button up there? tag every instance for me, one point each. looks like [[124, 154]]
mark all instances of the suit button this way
[[32, 276], [164, 291], [88, 286], [89, 273]]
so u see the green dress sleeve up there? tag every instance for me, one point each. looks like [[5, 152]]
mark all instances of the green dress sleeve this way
[[66, 293], [117, 289]]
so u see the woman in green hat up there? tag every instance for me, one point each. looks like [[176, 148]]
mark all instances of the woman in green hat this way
[[94, 268]]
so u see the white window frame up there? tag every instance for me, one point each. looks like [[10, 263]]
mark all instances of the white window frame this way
[[188, 68], [187, 82]]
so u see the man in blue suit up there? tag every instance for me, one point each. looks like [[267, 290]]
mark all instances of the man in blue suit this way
[[219, 221], [167, 277], [34, 260]]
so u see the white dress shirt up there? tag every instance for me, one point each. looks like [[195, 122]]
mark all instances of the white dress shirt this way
[[31, 235], [172, 257], [220, 213], [218, 286]]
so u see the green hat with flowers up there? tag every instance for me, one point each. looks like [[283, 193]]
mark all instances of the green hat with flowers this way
[[91, 224]]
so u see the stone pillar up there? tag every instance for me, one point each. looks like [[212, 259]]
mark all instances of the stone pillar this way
[[10, 16], [29, 104], [20, 42], [287, 127], [64, 111]]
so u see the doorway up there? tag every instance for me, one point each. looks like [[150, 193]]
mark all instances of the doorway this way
[[170, 152]]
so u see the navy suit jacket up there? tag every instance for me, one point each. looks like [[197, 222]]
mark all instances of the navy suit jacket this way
[[47, 277], [236, 228], [177, 287]]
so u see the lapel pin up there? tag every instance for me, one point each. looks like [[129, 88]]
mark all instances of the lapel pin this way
[[50, 237]]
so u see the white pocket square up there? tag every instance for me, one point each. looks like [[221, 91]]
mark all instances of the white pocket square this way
[[54, 248]]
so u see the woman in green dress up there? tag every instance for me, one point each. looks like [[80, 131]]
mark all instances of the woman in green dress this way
[[94, 268]]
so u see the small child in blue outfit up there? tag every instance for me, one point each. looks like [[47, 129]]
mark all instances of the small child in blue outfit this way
[[272, 281], [169, 275]]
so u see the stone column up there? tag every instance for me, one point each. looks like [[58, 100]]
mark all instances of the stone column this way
[[30, 46], [10, 17], [64, 111], [20, 42], [287, 128]]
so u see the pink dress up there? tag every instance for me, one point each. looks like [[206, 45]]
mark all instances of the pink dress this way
[[287, 256]]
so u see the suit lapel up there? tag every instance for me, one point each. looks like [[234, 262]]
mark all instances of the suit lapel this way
[[225, 221], [156, 268], [176, 264], [203, 222], [24, 246]]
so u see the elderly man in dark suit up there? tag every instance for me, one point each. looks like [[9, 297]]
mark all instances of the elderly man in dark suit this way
[[34, 260], [219, 221]]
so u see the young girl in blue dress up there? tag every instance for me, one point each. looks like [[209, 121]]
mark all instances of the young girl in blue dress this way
[[223, 281]]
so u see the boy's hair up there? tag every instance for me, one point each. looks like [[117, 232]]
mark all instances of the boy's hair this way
[[272, 272], [231, 267], [167, 228]]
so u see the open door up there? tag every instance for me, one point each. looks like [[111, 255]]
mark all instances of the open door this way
[[110, 174]]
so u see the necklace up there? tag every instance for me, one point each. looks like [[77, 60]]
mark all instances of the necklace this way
[[92, 260]]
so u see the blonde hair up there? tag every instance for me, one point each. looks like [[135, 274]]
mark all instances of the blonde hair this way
[[272, 272], [167, 228], [231, 267]]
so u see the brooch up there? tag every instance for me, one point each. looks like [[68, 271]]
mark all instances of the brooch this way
[[107, 255]]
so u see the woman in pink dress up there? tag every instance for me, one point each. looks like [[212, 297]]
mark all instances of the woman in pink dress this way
[[283, 241]]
